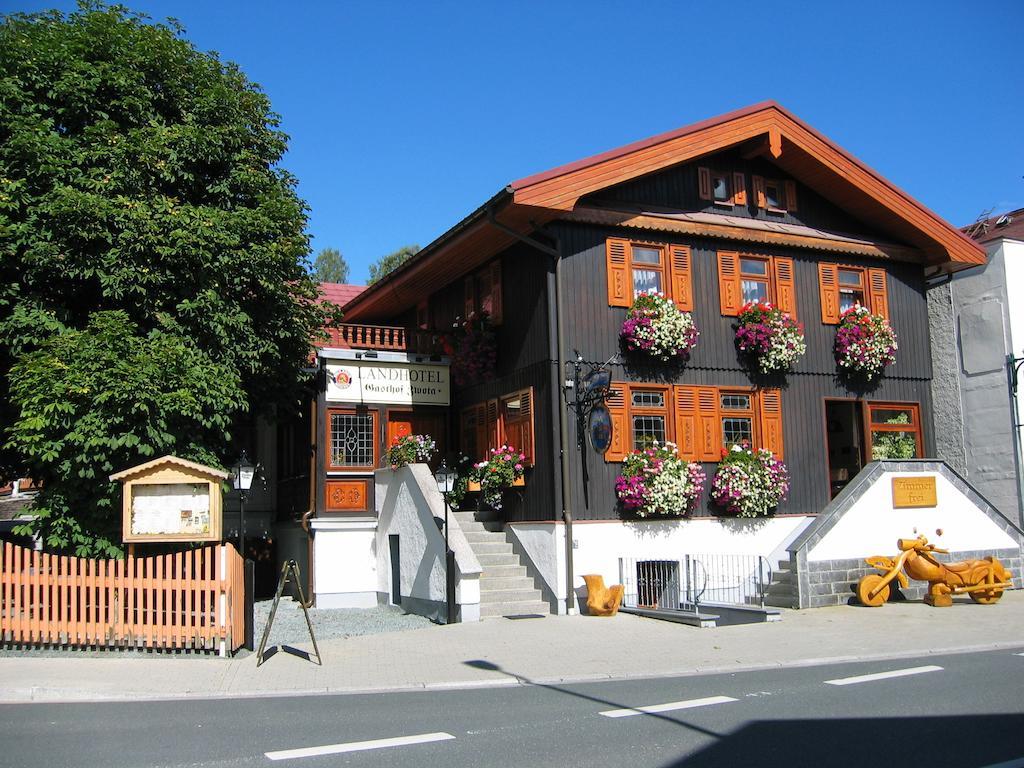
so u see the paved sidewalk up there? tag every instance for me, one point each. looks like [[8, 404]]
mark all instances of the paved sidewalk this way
[[544, 650]]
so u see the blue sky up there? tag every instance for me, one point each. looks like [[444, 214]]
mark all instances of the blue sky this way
[[405, 116]]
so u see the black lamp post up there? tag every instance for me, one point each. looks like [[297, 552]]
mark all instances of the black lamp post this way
[[445, 479], [244, 471]]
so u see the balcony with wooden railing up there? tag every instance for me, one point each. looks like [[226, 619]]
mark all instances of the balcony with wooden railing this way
[[386, 338]]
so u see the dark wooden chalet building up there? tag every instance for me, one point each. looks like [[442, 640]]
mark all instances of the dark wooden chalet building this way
[[752, 204]]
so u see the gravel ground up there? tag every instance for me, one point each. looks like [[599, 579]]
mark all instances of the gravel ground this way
[[289, 629], [290, 624]]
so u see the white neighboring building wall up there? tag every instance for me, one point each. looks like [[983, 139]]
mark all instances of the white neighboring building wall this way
[[974, 408], [598, 545]]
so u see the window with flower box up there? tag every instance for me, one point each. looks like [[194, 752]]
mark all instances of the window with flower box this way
[[701, 421], [744, 277], [635, 267], [842, 286], [481, 292], [507, 420]]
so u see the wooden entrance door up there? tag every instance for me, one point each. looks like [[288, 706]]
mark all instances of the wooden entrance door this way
[[402, 423]]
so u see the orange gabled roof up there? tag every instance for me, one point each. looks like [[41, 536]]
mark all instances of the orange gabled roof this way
[[766, 128], [792, 145]]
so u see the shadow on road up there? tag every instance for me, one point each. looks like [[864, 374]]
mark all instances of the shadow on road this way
[[958, 741], [963, 741]]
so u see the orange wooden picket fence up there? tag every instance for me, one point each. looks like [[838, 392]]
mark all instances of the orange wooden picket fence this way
[[193, 599]]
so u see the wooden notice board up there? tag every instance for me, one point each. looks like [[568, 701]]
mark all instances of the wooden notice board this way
[[911, 492], [171, 499]]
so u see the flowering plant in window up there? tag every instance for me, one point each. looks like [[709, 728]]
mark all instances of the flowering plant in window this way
[[657, 327], [769, 335], [655, 481], [749, 483], [409, 449], [473, 348], [500, 471], [865, 343]]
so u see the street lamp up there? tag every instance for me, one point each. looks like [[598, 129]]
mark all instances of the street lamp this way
[[445, 479], [244, 471]]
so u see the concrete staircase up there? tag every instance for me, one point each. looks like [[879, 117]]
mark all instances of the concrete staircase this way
[[506, 589], [782, 591]]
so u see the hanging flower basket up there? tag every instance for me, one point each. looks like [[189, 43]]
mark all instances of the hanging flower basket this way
[[655, 326], [749, 483], [656, 481], [865, 343], [410, 449], [502, 470], [770, 336], [473, 349]]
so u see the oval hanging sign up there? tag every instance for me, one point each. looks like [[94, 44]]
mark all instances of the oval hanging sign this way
[[599, 427]]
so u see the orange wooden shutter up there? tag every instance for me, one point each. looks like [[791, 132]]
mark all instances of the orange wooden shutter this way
[[682, 280], [619, 284], [468, 295], [759, 196], [496, 308], [790, 187], [477, 421], [730, 292], [616, 402], [710, 445], [770, 404], [739, 189], [879, 294], [519, 432], [704, 184], [828, 286], [785, 284], [686, 422]]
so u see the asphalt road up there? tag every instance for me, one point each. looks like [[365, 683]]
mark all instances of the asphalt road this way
[[962, 710]]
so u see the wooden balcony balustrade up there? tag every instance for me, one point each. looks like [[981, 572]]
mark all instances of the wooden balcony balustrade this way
[[383, 337]]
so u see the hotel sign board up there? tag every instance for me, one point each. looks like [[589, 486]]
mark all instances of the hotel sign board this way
[[911, 492], [373, 381]]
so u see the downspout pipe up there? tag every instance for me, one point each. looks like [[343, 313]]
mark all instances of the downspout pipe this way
[[555, 252]]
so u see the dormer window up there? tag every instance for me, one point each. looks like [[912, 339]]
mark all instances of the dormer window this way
[[720, 188]]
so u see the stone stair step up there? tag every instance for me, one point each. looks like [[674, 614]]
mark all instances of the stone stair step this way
[[490, 583], [778, 601], [500, 547], [481, 536], [505, 572], [487, 560], [497, 610], [508, 595]]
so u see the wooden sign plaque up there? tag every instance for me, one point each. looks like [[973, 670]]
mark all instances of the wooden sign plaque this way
[[911, 492]]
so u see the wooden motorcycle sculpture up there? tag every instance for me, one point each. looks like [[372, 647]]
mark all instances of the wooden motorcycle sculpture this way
[[984, 580]]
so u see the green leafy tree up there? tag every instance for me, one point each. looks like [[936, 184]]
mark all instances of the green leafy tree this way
[[330, 267], [388, 264], [152, 252]]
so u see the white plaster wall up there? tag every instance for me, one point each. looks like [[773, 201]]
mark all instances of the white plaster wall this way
[[599, 545], [544, 546], [410, 506], [873, 525], [344, 564], [1013, 260]]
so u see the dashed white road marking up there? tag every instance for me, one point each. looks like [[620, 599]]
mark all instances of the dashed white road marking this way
[[358, 746], [669, 707], [1018, 654], [883, 675]]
